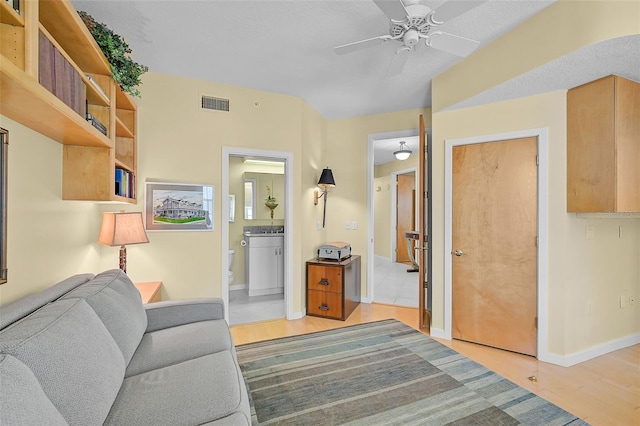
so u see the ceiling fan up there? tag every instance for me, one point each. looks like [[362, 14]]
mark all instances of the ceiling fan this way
[[411, 22]]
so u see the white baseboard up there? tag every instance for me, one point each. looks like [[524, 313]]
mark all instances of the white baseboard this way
[[236, 287], [439, 333], [298, 315], [366, 300], [596, 351]]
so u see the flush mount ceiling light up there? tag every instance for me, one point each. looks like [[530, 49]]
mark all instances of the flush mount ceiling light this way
[[403, 153]]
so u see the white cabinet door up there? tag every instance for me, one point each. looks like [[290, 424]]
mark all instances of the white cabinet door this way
[[266, 265]]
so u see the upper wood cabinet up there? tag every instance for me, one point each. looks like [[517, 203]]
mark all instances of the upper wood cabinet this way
[[53, 76], [603, 146]]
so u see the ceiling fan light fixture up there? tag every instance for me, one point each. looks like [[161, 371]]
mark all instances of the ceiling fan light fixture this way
[[403, 153]]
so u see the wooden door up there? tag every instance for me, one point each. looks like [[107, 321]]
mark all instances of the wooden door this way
[[494, 236], [405, 214], [424, 229]]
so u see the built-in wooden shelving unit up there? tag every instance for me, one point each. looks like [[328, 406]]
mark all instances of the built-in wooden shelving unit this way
[[52, 76]]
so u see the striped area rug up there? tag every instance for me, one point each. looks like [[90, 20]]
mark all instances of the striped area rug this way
[[382, 373]]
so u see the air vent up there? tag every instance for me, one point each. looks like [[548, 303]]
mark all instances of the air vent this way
[[217, 104]]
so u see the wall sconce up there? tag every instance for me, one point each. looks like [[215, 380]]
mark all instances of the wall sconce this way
[[326, 180], [119, 229], [403, 153]]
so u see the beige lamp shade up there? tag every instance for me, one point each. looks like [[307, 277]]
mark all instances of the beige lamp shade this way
[[123, 228]]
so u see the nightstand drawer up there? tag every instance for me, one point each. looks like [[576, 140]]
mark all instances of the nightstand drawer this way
[[333, 288], [324, 278], [323, 303]]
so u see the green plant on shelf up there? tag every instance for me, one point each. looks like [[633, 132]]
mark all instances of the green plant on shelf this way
[[124, 70]]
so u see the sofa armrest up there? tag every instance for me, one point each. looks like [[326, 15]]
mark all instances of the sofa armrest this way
[[172, 313]]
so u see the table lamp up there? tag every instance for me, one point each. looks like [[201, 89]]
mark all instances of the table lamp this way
[[120, 229]]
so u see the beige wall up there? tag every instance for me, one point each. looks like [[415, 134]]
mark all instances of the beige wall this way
[[586, 278], [346, 154], [180, 142], [382, 216], [48, 239]]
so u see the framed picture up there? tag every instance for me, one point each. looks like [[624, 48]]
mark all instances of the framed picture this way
[[178, 207]]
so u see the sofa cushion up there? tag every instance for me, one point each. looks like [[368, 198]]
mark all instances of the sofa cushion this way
[[117, 302], [76, 361], [177, 344], [192, 392], [13, 311], [22, 401]]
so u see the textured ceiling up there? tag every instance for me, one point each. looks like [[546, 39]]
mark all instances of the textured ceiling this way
[[286, 46]]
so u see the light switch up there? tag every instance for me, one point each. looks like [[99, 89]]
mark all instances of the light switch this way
[[354, 225], [347, 225]]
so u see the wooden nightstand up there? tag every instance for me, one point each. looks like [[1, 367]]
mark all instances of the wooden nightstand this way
[[333, 288], [150, 291]]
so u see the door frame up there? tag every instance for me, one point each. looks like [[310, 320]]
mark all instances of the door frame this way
[[287, 157], [394, 195], [371, 140], [543, 228]]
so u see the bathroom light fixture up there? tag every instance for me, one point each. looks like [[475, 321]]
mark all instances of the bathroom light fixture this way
[[119, 229], [403, 153], [326, 180], [263, 162]]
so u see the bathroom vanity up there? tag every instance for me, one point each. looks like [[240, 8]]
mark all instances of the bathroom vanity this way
[[264, 263]]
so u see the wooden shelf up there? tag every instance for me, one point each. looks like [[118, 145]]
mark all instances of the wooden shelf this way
[[9, 16], [122, 129], [66, 26], [53, 46], [125, 100], [26, 101]]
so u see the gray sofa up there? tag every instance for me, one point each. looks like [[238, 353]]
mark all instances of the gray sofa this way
[[86, 351]]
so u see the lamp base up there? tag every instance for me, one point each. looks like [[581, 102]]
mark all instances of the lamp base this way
[[123, 259]]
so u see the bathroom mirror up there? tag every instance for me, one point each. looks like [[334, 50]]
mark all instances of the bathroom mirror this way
[[249, 199], [232, 207], [258, 188]]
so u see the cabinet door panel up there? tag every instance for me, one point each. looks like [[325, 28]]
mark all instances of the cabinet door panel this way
[[324, 303], [627, 145], [325, 278], [263, 269]]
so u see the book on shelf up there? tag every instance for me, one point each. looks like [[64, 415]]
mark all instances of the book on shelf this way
[[97, 86], [96, 123], [59, 77], [125, 183], [15, 4]]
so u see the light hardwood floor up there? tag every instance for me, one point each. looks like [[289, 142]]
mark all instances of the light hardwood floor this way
[[601, 391]]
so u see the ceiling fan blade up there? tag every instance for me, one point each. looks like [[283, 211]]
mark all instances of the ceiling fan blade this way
[[394, 9], [362, 44], [453, 8], [450, 43], [399, 60]]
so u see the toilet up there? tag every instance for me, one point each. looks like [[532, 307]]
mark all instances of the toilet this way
[[231, 253]]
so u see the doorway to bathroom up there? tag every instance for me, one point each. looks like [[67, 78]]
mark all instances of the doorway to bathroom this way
[[256, 285]]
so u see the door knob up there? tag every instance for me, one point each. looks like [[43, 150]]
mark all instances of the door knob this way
[[458, 253]]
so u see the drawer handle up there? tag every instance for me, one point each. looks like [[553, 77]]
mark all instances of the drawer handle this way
[[323, 307], [324, 281]]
